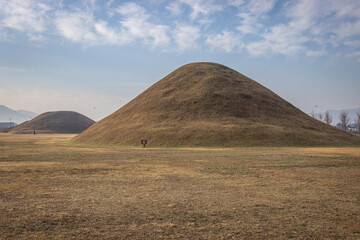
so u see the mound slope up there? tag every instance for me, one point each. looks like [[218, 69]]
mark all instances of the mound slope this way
[[208, 104], [54, 122]]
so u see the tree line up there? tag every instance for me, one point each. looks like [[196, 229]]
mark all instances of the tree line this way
[[344, 119]]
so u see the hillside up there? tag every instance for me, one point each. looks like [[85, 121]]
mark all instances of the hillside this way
[[54, 122], [208, 104]]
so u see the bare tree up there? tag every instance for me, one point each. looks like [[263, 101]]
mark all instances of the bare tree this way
[[320, 116], [328, 118], [344, 120]]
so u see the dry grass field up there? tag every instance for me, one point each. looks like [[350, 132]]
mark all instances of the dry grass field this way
[[53, 189]]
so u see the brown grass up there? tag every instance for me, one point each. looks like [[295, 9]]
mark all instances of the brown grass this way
[[63, 122], [51, 189], [207, 104]]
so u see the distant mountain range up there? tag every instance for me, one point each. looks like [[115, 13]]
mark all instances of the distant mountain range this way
[[336, 114], [17, 116]]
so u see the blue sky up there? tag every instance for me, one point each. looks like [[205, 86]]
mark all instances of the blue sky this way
[[77, 55]]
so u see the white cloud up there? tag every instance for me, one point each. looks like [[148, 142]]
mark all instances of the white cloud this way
[[355, 54], [314, 53], [252, 15], [136, 24], [285, 39], [76, 26], [24, 15], [309, 27], [175, 8], [258, 48], [82, 26], [319, 19], [199, 8], [309, 21], [347, 29], [226, 41], [248, 24], [137, 27], [108, 4], [258, 7], [280, 39], [353, 43], [36, 37], [91, 4], [110, 36], [159, 35], [185, 37], [236, 3], [132, 9]]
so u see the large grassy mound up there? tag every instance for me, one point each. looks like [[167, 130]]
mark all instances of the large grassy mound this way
[[207, 104], [54, 122]]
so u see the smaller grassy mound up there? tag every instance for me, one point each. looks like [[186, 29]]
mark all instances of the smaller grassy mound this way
[[54, 122]]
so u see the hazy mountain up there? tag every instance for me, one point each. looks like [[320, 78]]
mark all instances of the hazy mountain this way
[[27, 113], [17, 116]]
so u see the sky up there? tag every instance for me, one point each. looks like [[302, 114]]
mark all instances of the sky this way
[[94, 56]]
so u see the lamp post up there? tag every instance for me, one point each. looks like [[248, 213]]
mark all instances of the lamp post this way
[[314, 111]]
